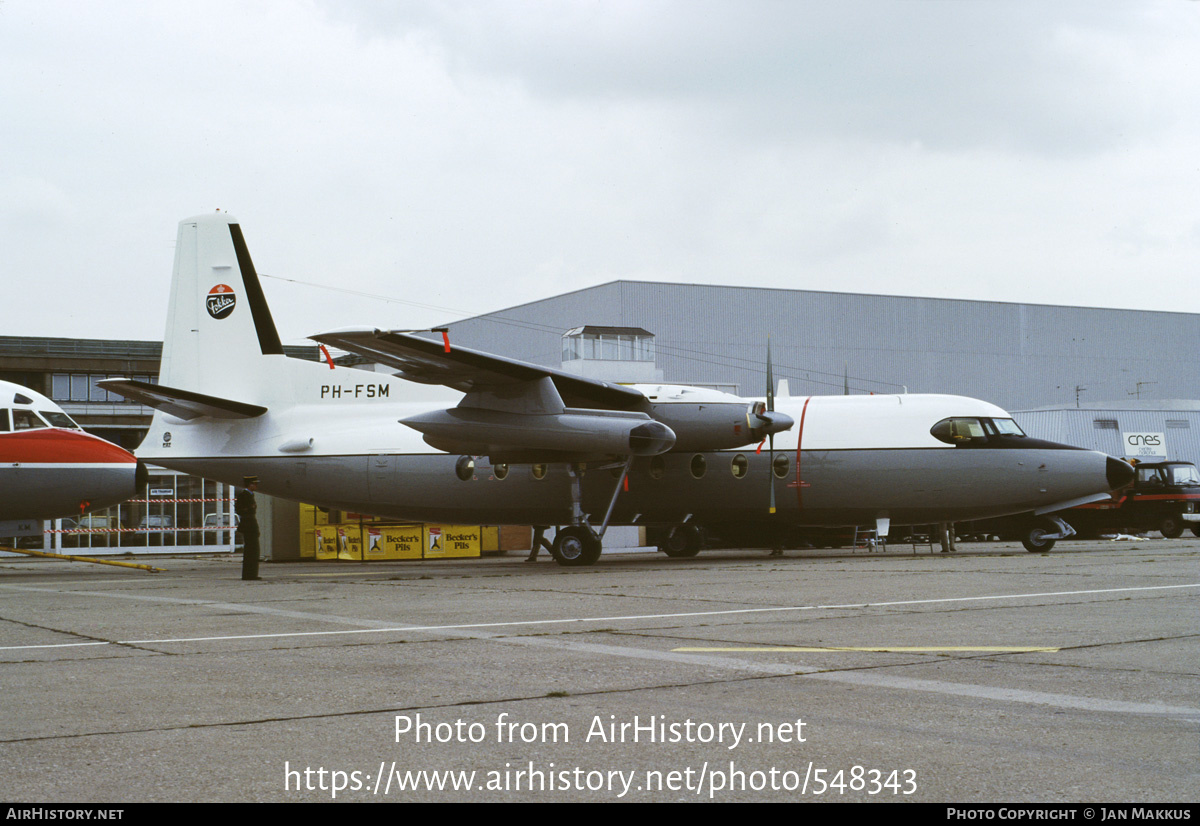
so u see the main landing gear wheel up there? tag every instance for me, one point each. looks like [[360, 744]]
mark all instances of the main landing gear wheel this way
[[682, 541], [575, 545]]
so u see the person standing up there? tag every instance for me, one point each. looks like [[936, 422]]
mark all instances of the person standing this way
[[247, 512], [539, 542]]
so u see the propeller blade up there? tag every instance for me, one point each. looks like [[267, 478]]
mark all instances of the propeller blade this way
[[770, 380], [772, 424], [771, 471]]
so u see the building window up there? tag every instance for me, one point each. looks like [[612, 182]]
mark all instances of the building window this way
[[84, 387], [608, 344]]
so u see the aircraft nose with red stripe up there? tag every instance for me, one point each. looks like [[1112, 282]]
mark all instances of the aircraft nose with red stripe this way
[[49, 467]]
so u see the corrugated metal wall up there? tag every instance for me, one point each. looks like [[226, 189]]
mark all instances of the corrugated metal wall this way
[[1092, 429], [1016, 355]]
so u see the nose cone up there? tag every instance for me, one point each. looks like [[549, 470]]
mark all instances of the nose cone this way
[[52, 472], [773, 422], [1119, 473]]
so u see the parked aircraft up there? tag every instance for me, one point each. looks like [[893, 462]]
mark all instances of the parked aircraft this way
[[49, 467], [527, 444]]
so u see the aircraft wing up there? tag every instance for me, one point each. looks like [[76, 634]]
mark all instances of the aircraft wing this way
[[472, 371], [183, 404]]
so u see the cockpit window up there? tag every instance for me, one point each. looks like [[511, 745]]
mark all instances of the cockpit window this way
[[26, 420], [958, 431], [57, 419], [965, 430], [4, 426], [1006, 427]]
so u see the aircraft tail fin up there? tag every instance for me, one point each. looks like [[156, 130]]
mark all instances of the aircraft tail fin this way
[[218, 319]]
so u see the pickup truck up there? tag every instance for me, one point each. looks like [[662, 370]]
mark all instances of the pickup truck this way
[[1164, 497]]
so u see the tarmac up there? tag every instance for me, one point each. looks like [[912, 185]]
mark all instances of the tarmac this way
[[988, 675]]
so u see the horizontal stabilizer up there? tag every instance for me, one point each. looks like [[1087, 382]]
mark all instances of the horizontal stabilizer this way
[[182, 404], [471, 371]]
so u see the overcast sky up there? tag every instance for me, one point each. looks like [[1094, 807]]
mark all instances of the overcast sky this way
[[469, 156]]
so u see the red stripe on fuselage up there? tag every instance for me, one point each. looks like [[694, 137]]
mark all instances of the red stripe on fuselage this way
[[50, 445], [799, 444]]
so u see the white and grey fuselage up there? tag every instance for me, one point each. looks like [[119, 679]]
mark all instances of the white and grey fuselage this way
[[514, 443], [848, 460]]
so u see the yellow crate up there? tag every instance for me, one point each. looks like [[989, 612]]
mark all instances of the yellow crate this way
[[350, 541], [397, 542], [308, 525], [325, 542], [451, 541], [489, 539]]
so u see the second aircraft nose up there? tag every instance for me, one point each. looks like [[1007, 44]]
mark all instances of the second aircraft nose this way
[[1119, 473]]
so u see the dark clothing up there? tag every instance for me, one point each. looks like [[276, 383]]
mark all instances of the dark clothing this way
[[244, 504], [247, 511], [539, 542]]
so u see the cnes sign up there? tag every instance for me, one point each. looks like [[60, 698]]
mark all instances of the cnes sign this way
[[1145, 444]]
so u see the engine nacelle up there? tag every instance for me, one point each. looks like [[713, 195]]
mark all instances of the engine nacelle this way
[[573, 435], [720, 425]]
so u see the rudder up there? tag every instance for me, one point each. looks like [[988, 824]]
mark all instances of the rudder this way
[[218, 319]]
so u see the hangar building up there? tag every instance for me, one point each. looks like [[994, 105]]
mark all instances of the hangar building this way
[[1020, 356]]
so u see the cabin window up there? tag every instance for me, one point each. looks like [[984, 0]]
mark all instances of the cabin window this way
[[658, 467], [539, 471], [500, 471], [465, 468], [699, 466], [780, 465], [738, 466]]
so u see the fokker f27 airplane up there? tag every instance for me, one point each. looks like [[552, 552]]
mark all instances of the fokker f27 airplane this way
[[563, 450]]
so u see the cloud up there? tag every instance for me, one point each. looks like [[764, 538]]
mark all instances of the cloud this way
[[476, 155]]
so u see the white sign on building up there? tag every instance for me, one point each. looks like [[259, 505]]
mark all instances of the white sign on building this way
[[1145, 444]]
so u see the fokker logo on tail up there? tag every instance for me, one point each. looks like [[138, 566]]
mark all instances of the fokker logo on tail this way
[[221, 301]]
